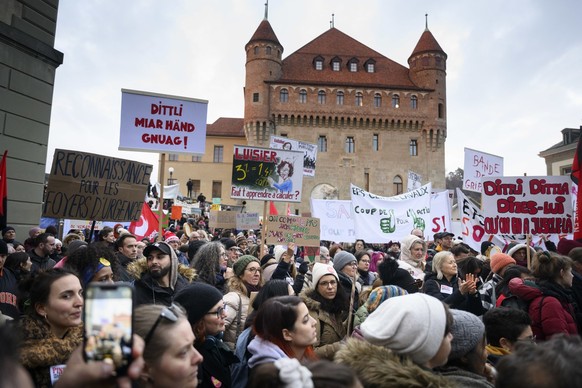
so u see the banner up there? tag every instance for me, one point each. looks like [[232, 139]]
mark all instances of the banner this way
[[336, 220], [303, 231], [309, 151], [266, 174], [222, 219], [95, 187], [478, 165], [414, 181], [246, 221], [440, 214], [147, 225], [382, 219], [170, 192], [160, 123], [527, 205]]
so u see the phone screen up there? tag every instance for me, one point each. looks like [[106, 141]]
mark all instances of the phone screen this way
[[109, 324]]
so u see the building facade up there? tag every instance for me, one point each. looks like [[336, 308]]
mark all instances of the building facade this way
[[559, 156], [372, 118], [28, 62]]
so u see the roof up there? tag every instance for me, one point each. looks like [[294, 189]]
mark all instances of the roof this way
[[226, 126], [298, 67], [265, 32], [574, 135], [427, 43]]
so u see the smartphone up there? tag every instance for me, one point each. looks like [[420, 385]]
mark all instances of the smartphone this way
[[108, 317]]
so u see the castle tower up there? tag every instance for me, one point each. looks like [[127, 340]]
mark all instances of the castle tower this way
[[263, 64]]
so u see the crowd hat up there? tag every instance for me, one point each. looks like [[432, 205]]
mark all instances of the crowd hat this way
[[499, 261], [241, 264], [319, 270], [343, 258], [197, 299]]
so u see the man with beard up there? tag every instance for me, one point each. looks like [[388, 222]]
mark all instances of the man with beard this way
[[44, 245], [126, 246], [160, 278]]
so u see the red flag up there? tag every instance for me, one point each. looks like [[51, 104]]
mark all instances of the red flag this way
[[272, 209], [3, 191], [575, 175], [147, 225]]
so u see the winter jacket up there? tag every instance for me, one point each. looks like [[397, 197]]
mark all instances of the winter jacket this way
[[8, 293], [346, 283], [415, 268], [233, 327], [448, 292], [378, 367], [487, 292], [216, 365], [40, 263], [263, 351], [330, 328], [366, 279], [463, 378], [550, 307], [361, 315]]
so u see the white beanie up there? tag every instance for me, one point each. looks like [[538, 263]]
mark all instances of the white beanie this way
[[278, 251], [319, 270], [410, 325]]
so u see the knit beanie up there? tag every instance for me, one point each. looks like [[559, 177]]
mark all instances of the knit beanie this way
[[241, 239], [278, 251], [239, 266], [319, 270], [75, 245], [411, 325], [565, 246], [499, 261], [193, 247], [266, 259], [485, 245], [170, 237], [467, 331], [381, 294], [341, 259], [197, 299], [7, 229]]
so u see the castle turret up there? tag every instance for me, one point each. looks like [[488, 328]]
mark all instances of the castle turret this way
[[264, 53]]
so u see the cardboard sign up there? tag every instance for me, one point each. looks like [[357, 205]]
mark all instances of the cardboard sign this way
[[309, 151], [303, 231], [527, 205], [245, 221], [95, 187], [266, 174], [478, 165], [160, 123], [222, 219]]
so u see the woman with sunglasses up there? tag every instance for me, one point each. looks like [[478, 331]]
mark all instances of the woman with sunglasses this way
[[206, 314], [170, 357], [246, 279]]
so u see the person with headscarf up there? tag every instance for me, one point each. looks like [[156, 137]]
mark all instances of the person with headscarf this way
[[412, 256]]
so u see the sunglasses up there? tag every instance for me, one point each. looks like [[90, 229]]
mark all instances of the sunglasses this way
[[166, 313]]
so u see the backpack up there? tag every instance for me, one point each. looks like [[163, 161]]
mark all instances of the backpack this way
[[239, 372]]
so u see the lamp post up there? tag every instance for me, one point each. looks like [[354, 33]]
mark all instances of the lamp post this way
[[171, 171]]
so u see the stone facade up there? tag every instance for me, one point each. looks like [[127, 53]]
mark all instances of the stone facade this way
[[559, 156]]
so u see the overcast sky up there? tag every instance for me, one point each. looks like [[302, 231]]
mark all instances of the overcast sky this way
[[514, 73]]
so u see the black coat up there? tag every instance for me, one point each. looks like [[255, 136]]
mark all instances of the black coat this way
[[216, 365], [435, 287]]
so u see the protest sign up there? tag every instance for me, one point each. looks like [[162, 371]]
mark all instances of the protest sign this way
[[95, 187], [527, 205], [160, 123], [309, 151], [266, 174], [414, 181], [245, 221], [440, 214], [303, 231], [222, 219], [478, 165], [382, 219], [335, 217]]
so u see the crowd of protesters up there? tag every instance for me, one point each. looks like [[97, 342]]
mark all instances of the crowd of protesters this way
[[219, 308]]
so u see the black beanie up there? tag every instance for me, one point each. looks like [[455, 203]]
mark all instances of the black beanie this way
[[193, 247], [198, 299]]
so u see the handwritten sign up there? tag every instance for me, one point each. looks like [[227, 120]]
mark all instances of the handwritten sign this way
[[303, 231], [528, 205], [309, 151], [245, 221], [440, 214], [160, 123], [414, 181], [222, 219], [266, 174], [478, 165], [337, 222], [95, 187]]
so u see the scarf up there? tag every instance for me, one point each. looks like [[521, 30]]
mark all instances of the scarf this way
[[250, 288]]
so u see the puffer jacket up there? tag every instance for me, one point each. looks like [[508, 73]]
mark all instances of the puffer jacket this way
[[330, 328], [235, 301], [378, 367], [550, 307]]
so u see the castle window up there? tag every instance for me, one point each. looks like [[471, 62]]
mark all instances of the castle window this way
[[196, 158], [256, 50], [322, 144], [397, 183], [216, 189], [414, 102], [353, 67], [173, 157], [284, 95], [375, 142], [340, 98], [255, 97], [303, 96], [413, 147], [321, 97], [318, 63], [336, 64], [359, 99], [377, 100], [370, 68], [350, 145], [268, 50], [395, 101], [441, 110]]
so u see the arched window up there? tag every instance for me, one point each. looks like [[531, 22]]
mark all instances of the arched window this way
[[414, 102], [303, 96], [268, 50], [321, 97], [256, 50], [359, 99], [284, 95], [340, 98], [397, 183], [377, 100], [395, 101]]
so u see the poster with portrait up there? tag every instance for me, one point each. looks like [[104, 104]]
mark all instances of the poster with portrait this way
[[266, 174], [309, 151]]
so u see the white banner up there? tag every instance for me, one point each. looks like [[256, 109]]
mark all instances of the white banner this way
[[170, 192], [160, 123], [309, 151], [440, 214], [382, 219], [245, 221], [414, 181], [477, 165], [336, 220]]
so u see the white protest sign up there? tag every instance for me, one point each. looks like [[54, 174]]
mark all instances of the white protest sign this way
[[414, 181], [336, 221], [245, 221], [382, 219], [440, 214], [477, 165], [527, 205], [154, 122], [309, 151]]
